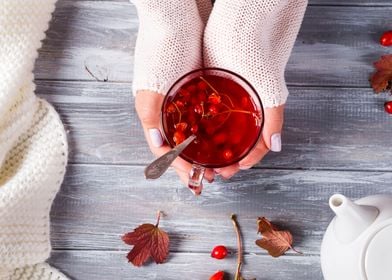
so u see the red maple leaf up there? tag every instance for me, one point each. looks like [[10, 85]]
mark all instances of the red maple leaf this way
[[148, 241]]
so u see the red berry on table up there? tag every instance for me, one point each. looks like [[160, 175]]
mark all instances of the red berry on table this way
[[386, 39], [219, 252], [388, 107], [219, 275]]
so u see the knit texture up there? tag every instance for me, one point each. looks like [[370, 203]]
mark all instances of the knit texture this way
[[168, 43], [254, 38], [33, 147]]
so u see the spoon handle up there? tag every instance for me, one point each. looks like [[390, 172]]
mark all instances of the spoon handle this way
[[156, 168]]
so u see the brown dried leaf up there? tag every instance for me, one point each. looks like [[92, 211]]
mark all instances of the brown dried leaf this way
[[149, 241], [275, 241], [381, 80]]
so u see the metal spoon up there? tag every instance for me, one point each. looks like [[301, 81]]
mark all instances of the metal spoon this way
[[156, 168]]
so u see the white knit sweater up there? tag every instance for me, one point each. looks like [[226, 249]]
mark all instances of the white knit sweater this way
[[33, 146]]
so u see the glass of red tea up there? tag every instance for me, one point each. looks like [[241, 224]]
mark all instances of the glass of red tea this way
[[222, 110]]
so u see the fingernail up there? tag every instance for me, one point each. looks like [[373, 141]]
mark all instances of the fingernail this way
[[276, 142], [217, 171], [156, 137], [245, 167]]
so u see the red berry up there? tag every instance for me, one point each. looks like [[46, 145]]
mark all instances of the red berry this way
[[386, 39], [181, 126], [179, 104], [185, 93], [220, 138], [388, 107], [178, 137], [202, 85], [194, 128], [219, 275], [171, 108], [214, 98], [213, 110], [227, 154], [219, 252], [191, 88], [198, 109]]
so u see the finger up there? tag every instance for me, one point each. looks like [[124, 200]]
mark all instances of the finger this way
[[228, 171], [272, 128], [254, 156], [148, 107]]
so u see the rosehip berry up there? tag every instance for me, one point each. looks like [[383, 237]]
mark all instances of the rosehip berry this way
[[178, 137], [184, 93], [194, 128], [191, 88], [227, 154], [213, 110], [181, 126], [214, 98], [388, 107], [386, 39], [219, 275], [179, 104], [219, 252], [171, 108], [198, 109], [202, 85]]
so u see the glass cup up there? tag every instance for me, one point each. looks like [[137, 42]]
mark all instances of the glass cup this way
[[222, 109]]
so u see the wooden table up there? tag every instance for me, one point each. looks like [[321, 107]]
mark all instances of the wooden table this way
[[336, 139]]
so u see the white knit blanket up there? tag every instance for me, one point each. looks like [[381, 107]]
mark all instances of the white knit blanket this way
[[33, 146]]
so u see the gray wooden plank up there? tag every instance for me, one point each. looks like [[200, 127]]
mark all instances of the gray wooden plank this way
[[97, 204], [83, 265], [330, 128], [333, 48]]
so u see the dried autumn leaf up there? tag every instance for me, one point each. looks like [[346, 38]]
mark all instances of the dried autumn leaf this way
[[382, 79], [275, 241], [149, 241]]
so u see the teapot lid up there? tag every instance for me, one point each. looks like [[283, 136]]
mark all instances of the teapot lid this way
[[378, 258]]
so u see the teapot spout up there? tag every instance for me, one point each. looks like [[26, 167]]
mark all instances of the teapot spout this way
[[351, 218]]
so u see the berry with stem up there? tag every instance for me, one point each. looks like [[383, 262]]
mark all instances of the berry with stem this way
[[219, 252]]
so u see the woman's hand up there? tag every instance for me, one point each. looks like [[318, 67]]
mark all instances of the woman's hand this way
[[254, 39], [169, 45]]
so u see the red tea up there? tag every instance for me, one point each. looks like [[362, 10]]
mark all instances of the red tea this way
[[220, 112]]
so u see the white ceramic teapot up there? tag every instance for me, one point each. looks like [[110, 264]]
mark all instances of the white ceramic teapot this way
[[358, 242]]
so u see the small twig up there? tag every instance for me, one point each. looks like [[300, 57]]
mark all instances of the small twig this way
[[179, 112], [239, 246], [208, 84]]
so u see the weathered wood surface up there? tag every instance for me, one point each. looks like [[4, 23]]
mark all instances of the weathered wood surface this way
[[334, 123], [336, 45], [112, 265], [99, 203], [325, 128]]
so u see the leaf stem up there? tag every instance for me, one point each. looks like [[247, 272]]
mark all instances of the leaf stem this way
[[239, 246], [179, 112], [159, 213]]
